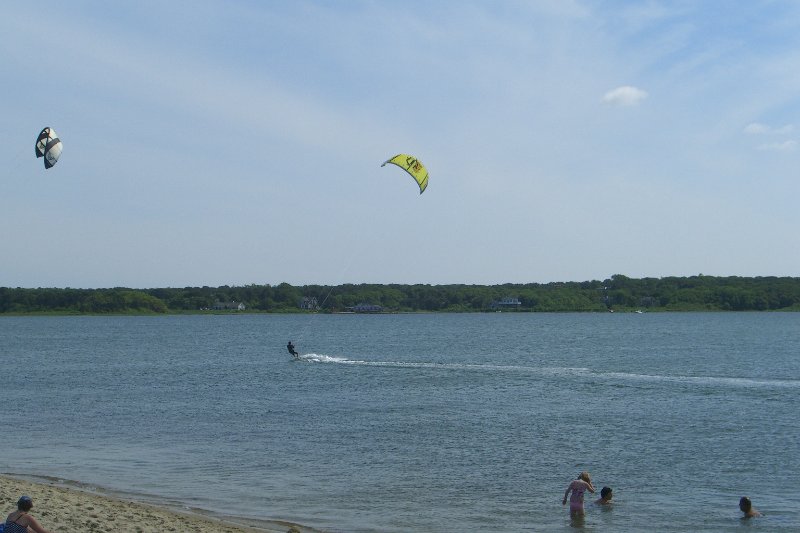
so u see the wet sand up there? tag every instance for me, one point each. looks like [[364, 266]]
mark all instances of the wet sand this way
[[62, 508]]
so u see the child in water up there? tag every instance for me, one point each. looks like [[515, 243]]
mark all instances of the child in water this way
[[605, 497], [578, 487], [746, 506]]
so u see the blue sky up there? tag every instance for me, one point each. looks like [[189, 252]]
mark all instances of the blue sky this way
[[212, 143]]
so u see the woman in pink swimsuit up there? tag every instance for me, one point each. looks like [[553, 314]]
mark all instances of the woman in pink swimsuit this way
[[578, 487]]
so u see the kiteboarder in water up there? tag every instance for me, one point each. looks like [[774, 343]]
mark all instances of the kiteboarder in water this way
[[290, 347]]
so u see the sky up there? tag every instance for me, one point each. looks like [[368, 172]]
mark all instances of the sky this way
[[240, 142]]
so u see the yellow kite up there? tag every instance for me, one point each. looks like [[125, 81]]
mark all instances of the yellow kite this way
[[414, 167]]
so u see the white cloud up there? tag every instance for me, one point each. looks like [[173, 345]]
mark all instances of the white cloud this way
[[757, 128], [785, 146], [625, 96]]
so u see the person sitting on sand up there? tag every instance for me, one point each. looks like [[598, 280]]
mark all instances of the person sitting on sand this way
[[578, 487], [746, 506], [605, 497], [20, 521]]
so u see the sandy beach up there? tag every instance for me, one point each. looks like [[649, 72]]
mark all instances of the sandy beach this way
[[60, 508]]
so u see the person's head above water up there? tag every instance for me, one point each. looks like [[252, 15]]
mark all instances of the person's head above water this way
[[746, 506], [605, 493]]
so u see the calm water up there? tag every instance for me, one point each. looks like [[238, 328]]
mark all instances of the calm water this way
[[417, 423]]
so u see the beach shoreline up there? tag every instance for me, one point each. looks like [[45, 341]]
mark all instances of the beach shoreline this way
[[68, 506]]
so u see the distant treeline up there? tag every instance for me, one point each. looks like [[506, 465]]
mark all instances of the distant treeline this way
[[619, 293]]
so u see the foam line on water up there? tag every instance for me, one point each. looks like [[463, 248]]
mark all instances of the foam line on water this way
[[706, 380], [719, 381], [321, 358]]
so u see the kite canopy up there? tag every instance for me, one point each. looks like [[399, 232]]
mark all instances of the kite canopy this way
[[48, 145], [414, 167]]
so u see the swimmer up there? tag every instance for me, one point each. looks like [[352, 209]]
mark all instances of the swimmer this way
[[746, 506], [605, 497], [578, 487]]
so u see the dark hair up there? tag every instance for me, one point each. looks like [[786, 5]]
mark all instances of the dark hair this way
[[25, 503], [605, 492], [745, 504]]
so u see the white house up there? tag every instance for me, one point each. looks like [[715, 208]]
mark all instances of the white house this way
[[229, 306]]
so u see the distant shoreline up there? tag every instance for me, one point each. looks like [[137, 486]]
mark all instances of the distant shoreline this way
[[383, 313], [616, 294]]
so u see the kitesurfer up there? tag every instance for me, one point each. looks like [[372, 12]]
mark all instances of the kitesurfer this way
[[290, 347]]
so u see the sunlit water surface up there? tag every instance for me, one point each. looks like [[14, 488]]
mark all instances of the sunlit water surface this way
[[417, 423]]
